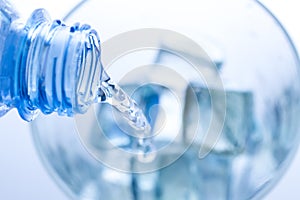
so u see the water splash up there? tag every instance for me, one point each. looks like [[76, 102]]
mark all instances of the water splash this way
[[110, 92], [127, 107]]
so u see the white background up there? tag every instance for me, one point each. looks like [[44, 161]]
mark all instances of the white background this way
[[22, 175]]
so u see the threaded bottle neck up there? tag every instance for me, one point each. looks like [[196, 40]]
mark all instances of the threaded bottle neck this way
[[59, 67]]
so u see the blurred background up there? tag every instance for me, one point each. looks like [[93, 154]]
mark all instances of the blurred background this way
[[22, 175]]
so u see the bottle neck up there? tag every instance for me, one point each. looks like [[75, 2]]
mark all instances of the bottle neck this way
[[58, 68]]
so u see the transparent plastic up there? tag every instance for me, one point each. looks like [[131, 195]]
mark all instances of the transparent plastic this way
[[45, 65], [257, 105]]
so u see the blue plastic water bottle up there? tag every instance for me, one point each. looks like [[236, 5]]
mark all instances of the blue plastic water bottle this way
[[45, 65]]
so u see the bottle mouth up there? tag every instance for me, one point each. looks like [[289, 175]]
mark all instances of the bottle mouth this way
[[60, 68]]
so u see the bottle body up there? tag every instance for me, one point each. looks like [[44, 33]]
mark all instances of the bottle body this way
[[47, 66], [7, 16]]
